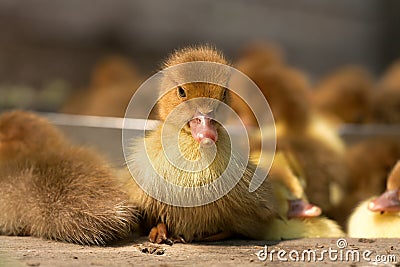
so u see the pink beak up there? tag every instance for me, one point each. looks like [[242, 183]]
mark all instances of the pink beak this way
[[388, 201], [299, 208], [203, 127]]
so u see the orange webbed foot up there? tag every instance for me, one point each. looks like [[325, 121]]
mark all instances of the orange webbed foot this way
[[159, 235]]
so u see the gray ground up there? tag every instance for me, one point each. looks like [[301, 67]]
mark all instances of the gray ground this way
[[29, 251]]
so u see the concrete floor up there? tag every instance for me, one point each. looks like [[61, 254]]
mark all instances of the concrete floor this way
[[29, 251]]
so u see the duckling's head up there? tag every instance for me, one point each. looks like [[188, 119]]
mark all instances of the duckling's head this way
[[288, 93], [193, 106], [291, 206], [258, 55], [24, 133], [389, 201], [113, 70], [391, 78], [384, 107], [345, 94]]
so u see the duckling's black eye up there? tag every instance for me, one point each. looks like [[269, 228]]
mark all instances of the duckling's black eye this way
[[181, 92], [224, 96]]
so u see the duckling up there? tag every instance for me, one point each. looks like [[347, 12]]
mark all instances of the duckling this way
[[113, 83], [390, 80], [252, 58], [379, 217], [299, 218], [258, 55], [53, 190], [239, 212], [344, 95], [385, 107], [22, 134], [367, 171], [310, 139], [386, 99]]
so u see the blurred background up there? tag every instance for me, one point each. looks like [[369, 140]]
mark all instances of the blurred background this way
[[48, 49]]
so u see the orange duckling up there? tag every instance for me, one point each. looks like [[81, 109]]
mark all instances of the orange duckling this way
[[239, 212]]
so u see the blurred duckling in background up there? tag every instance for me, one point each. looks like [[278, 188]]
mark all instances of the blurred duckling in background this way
[[391, 78], [239, 212], [114, 81], [344, 95], [299, 219], [252, 58], [368, 162], [379, 217], [386, 99], [310, 139], [53, 190], [258, 55], [385, 107]]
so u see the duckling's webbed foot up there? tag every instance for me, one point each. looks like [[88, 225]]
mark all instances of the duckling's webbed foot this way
[[159, 235]]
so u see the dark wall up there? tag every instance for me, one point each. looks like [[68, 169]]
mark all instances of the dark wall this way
[[47, 39]]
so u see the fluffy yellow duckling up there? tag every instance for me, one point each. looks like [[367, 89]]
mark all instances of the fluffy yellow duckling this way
[[299, 219], [379, 217], [239, 212], [367, 171]]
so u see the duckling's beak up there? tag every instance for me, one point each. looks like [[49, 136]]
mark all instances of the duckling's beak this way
[[203, 128], [388, 201], [299, 208]]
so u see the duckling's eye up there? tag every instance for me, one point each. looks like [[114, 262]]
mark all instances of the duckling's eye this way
[[224, 95], [181, 92]]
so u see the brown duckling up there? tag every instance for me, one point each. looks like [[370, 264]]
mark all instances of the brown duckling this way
[[251, 59], [391, 78], [386, 99], [53, 190], [114, 81], [385, 107], [344, 95], [22, 134]]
